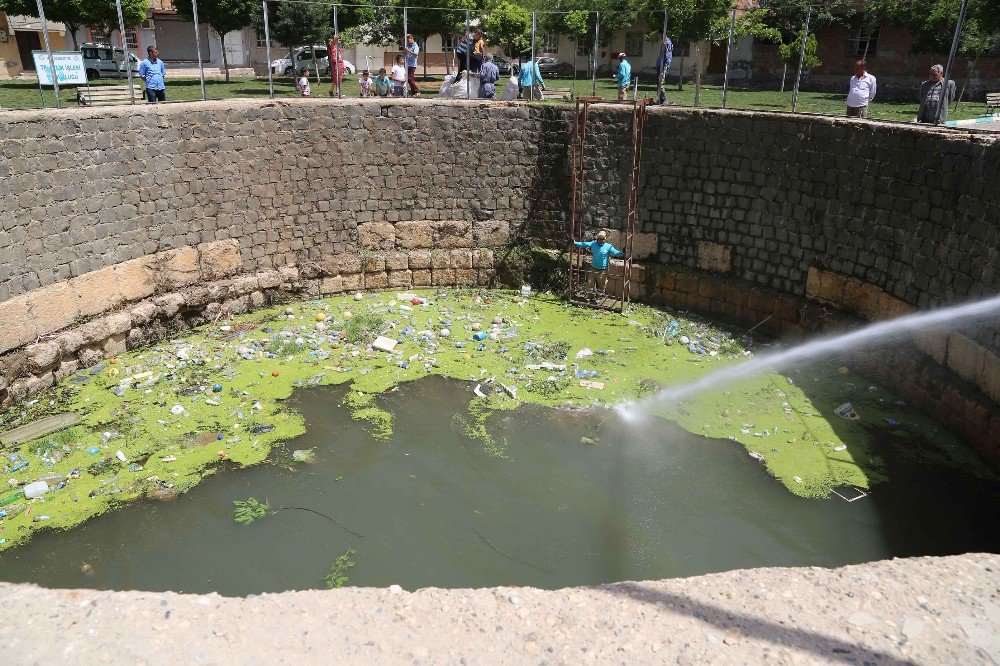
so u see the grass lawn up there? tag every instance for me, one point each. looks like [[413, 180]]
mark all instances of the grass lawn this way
[[24, 95]]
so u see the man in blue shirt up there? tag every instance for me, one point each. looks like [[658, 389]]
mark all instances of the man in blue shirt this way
[[624, 76], [412, 50], [488, 75], [663, 65], [601, 250], [528, 77], [152, 71]]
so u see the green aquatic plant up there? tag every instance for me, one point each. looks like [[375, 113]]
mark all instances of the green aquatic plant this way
[[249, 510], [361, 327], [337, 577]]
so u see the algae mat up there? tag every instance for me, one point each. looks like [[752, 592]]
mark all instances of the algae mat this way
[[155, 422]]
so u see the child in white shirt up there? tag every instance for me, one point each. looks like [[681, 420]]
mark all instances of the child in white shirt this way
[[366, 84], [398, 77], [303, 83]]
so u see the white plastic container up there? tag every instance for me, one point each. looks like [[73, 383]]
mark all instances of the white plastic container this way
[[36, 489], [525, 290]]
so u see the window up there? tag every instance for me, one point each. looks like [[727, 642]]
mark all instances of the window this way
[[633, 44], [583, 47], [261, 39], [448, 43], [99, 36], [682, 50], [863, 42], [132, 38], [550, 43]]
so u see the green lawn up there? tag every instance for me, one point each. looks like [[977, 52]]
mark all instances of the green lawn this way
[[24, 94]]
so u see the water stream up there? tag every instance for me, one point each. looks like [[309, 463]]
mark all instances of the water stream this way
[[866, 337]]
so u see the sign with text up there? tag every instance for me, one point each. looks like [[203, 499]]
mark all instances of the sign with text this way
[[69, 67]]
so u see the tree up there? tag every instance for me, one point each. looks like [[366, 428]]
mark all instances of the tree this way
[[932, 24], [580, 19], [425, 18], [509, 27], [223, 16], [103, 14], [789, 53], [67, 12], [299, 24]]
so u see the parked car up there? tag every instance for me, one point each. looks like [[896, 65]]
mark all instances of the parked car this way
[[102, 60], [505, 66], [550, 66], [303, 57]]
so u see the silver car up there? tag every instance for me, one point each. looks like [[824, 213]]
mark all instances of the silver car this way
[[103, 60], [302, 58]]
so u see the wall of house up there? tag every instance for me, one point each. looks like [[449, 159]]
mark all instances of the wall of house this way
[[899, 71], [10, 58]]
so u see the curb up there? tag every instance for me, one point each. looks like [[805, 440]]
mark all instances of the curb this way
[[995, 118]]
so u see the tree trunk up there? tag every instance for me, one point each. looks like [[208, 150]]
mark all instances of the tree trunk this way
[[447, 59], [972, 70], [697, 75], [73, 27], [291, 62], [425, 58], [680, 75], [225, 60], [783, 73]]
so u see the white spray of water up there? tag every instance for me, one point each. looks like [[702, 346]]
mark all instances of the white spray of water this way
[[879, 332]]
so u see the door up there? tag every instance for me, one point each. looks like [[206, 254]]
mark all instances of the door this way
[[26, 43], [717, 59]]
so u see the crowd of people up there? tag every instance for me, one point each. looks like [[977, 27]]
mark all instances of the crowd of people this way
[[526, 82]]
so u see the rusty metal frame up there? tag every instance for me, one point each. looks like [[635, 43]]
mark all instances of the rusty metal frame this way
[[579, 265]]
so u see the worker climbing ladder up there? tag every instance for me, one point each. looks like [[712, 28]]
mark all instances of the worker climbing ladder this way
[[619, 273]]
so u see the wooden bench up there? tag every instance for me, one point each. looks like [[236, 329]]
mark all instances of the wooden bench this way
[[561, 94], [992, 101], [106, 95]]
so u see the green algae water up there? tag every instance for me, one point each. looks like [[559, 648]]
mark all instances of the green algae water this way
[[578, 497], [525, 437]]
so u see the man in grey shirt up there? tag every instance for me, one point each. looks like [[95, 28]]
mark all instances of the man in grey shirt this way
[[933, 109]]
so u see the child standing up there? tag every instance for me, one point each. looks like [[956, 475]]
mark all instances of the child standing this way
[[398, 77], [366, 84], [303, 83], [382, 83]]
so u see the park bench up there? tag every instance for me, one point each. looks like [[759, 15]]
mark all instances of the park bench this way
[[993, 101], [105, 95], [561, 94]]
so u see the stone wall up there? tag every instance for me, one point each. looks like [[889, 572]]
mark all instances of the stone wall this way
[[233, 205]]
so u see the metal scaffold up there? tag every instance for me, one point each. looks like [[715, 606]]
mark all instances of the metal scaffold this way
[[619, 273]]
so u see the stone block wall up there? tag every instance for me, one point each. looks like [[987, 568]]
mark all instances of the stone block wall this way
[[82, 190], [146, 220]]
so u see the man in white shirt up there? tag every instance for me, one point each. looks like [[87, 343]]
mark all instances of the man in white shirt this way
[[861, 93]]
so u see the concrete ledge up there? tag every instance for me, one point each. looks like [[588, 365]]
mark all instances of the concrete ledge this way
[[925, 610]]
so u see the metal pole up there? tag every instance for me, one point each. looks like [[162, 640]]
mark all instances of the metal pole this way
[[531, 89], [128, 54], [729, 48], [802, 57], [663, 60], [597, 33], [405, 66], [336, 38], [197, 39], [48, 50], [267, 40], [951, 60], [468, 56]]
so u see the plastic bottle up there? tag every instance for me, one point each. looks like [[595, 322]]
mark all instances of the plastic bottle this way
[[36, 489]]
